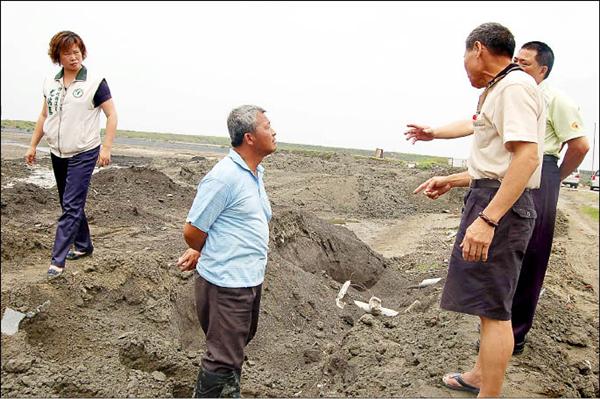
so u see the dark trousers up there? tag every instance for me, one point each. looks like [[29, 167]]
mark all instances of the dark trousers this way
[[538, 251], [73, 177], [229, 318]]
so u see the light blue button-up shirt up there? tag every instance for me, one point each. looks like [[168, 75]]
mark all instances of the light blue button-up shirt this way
[[232, 207]]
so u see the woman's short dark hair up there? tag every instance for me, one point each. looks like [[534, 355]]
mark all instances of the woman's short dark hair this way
[[64, 40]]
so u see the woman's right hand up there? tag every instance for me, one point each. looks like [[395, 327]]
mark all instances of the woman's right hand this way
[[30, 156]]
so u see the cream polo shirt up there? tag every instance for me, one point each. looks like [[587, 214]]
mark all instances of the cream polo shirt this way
[[564, 121], [514, 110]]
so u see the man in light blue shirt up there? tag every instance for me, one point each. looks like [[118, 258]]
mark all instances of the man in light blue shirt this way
[[227, 231]]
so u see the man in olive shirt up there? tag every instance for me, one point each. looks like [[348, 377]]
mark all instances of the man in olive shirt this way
[[564, 126]]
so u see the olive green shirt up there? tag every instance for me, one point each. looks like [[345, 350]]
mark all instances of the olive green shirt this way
[[563, 120]]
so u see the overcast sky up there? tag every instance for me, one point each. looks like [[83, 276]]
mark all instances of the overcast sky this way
[[337, 74]]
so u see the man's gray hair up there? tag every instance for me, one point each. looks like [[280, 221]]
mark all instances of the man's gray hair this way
[[497, 38], [242, 120]]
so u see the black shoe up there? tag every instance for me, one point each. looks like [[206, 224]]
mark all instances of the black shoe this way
[[217, 385], [517, 350]]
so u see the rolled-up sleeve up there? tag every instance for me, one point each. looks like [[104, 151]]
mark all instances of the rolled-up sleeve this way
[[210, 201]]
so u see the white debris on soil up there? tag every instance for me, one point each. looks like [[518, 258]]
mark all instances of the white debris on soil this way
[[11, 320], [342, 294], [374, 307], [427, 282]]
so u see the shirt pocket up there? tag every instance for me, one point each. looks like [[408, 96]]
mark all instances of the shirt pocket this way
[[483, 131]]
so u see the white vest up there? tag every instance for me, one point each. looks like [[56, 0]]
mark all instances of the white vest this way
[[73, 123]]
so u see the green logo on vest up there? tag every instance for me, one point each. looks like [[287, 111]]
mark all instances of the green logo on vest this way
[[78, 93]]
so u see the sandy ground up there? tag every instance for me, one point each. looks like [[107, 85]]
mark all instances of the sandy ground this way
[[121, 323]]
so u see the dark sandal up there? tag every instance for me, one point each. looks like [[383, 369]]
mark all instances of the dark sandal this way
[[463, 386], [73, 255]]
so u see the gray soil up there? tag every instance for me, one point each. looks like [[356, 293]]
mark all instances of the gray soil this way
[[121, 323]]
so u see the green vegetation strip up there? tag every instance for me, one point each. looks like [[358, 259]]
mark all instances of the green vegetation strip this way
[[590, 211]]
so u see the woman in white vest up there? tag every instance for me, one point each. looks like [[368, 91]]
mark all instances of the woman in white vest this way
[[70, 120]]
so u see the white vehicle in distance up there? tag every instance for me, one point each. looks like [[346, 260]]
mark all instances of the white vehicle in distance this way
[[572, 180], [594, 181]]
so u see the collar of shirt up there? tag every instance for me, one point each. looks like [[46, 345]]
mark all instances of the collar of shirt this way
[[501, 75], [81, 75], [235, 157]]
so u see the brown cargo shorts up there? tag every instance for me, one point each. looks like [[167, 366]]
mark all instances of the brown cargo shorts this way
[[487, 288]]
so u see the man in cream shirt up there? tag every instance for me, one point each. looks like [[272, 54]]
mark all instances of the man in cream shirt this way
[[564, 128], [499, 213]]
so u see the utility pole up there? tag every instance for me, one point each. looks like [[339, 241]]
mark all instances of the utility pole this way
[[594, 150]]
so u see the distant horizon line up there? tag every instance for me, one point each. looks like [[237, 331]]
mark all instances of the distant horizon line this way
[[227, 144]]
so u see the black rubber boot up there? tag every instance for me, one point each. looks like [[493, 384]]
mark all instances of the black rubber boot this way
[[231, 385], [217, 385]]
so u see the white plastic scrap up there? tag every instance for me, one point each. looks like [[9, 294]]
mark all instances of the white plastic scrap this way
[[427, 282], [374, 307], [342, 294], [12, 318]]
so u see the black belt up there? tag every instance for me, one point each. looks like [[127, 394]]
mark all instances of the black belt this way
[[485, 183], [548, 157]]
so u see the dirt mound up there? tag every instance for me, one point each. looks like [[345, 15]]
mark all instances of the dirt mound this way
[[561, 226], [13, 168], [119, 318], [130, 313], [341, 184], [23, 199], [135, 195], [17, 168], [320, 247], [194, 170]]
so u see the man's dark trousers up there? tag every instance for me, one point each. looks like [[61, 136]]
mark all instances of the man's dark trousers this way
[[73, 177], [229, 319], [538, 251]]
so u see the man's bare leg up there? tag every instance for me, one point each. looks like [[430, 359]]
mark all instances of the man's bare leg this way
[[495, 350]]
